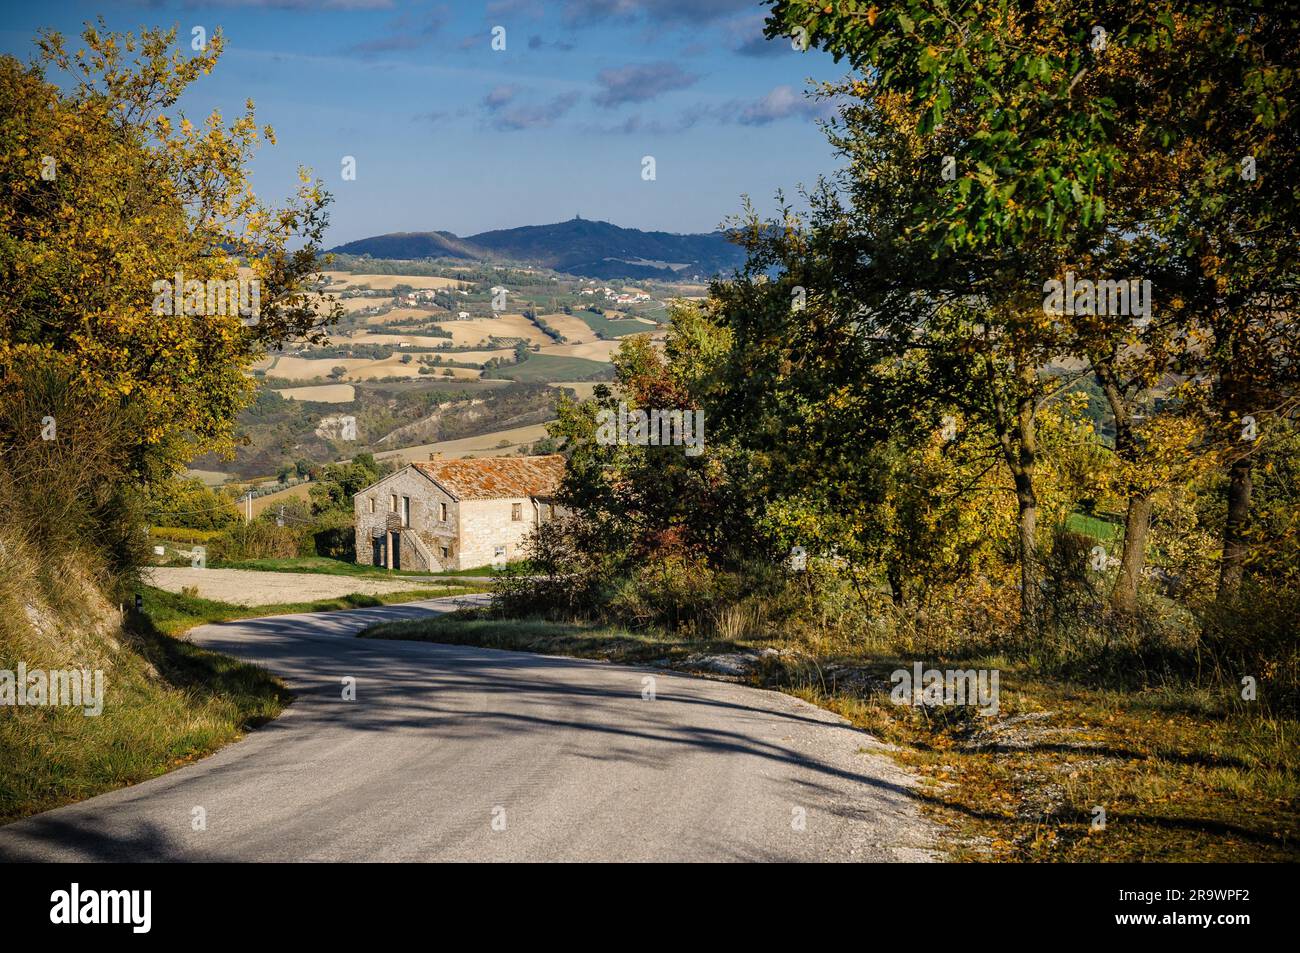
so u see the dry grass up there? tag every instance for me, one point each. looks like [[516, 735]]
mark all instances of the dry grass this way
[[299, 491], [584, 389], [302, 368], [574, 329], [323, 393], [344, 279], [474, 331], [594, 351], [483, 445]]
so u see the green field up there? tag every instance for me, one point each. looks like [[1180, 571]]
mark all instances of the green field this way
[[1094, 526], [606, 328], [545, 368]]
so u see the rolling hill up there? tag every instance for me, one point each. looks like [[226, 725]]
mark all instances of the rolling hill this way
[[590, 249]]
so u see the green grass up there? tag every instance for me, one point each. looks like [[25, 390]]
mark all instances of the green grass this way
[[323, 565], [1098, 528], [166, 703], [547, 368], [516, 566], [1183, 774], [612, 329]]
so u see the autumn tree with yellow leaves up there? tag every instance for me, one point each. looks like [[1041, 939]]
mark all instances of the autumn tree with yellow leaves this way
[[107, 188]]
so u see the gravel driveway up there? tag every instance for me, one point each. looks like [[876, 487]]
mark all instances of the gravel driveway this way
[[248, 587]]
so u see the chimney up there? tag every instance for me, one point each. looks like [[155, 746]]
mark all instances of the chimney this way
[[435, 455]]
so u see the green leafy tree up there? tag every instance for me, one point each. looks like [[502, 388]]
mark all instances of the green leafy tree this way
[[338, 483], [1154, 138]]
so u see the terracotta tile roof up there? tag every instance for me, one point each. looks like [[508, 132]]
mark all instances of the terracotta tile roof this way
[[489, 478]]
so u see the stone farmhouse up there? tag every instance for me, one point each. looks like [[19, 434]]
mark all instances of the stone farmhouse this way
[[444, 515]]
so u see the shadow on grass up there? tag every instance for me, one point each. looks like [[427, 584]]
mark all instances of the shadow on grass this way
[[205, 673]]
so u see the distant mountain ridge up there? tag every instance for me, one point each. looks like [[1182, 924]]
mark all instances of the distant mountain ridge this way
[[590, 249]]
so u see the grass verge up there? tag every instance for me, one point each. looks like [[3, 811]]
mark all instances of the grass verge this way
[[166, 703], [1181, 775], [336, 567]]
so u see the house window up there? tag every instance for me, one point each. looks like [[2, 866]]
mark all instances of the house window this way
[[371, 501], [442, 512], [446, 553], [517, 512], [392, 503], [406, 511], [550, 511]]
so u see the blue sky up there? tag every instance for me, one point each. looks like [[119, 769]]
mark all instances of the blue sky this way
[[448, 133]]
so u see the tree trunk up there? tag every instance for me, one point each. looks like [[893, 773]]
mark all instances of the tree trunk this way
[[1018, 436], [1137, 526], [895, 585], [1234, 528], [1137, 519], [1030, 596]]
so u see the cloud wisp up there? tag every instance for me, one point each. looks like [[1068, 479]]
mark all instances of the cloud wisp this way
[[640, 83]]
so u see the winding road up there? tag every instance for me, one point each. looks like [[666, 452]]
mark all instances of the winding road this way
[[449, 753]]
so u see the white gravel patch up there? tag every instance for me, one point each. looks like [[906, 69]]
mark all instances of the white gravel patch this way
[[248, 587]]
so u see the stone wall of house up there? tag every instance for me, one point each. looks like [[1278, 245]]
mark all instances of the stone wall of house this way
[[435, 534], [487, 524]]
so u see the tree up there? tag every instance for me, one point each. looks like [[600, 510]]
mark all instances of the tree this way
[[108, 190], [1128, 137], [340, 482], [190, 504]]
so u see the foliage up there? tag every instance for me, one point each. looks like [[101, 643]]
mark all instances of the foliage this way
[[889, 392], [140, 192], [191, 504], [260, 539], [340, 482]]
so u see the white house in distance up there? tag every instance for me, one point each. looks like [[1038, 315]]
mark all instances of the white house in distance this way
[[444, 515]]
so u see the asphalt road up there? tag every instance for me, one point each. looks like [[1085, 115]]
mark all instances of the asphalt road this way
[[465, 754]]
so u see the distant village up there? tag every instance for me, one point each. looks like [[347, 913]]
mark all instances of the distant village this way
[[614, 296]]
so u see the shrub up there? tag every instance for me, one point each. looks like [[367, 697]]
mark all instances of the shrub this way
[[334, 536], [183, 534], [65, 477], [256, 540], [1255, 635]]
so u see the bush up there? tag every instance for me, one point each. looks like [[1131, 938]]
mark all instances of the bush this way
[[190, 504], [1255, 636], [257, 540], [334, 536], [567, 578], [183, 534], [66, 481]]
